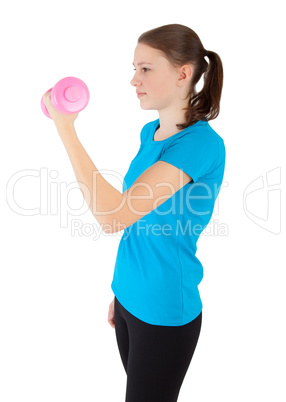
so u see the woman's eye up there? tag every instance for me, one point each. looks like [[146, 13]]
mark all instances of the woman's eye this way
[[144, 68]]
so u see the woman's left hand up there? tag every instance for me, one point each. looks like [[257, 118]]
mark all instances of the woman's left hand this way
[[60, 119]]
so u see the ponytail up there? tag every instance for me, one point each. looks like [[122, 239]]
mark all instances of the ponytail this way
[[205, 105]]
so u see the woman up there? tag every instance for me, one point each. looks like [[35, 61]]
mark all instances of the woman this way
[[168, 198]]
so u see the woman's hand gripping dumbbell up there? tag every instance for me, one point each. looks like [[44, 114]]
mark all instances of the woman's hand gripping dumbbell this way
[[65, 100]]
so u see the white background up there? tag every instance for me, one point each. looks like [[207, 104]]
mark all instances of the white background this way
[[55, 341]]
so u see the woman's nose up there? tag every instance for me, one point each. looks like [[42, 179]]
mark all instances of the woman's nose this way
[[134, 80]]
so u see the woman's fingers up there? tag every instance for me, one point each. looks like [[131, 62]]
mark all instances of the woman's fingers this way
[[110, 318]]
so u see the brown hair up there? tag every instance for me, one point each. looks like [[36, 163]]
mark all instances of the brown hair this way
[[182, 45]]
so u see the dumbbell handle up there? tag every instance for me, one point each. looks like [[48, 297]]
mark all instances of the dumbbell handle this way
[[69, 95]]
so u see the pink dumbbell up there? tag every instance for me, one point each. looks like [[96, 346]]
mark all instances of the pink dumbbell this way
[[69, 95]]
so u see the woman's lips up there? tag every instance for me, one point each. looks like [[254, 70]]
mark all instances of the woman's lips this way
[[140, 94]]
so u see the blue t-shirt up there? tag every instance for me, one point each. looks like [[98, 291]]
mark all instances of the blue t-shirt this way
[[157, 273]]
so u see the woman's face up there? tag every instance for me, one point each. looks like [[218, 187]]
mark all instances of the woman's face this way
[[155, 77]]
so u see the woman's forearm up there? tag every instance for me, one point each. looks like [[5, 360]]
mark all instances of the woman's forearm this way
[[103, 199]]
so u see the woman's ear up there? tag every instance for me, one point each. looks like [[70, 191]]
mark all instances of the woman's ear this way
[[185, 75]]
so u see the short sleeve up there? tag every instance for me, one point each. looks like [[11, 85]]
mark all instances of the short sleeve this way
[[195, 153]]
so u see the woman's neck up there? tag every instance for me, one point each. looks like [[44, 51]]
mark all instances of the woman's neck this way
[[167, 125], [170, 117]]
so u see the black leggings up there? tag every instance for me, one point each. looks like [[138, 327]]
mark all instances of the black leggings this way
[[155, 358]]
